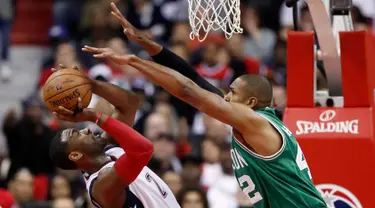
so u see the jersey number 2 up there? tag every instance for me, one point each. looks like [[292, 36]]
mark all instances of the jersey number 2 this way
[[150, 179], [301, 162], [249, 188]]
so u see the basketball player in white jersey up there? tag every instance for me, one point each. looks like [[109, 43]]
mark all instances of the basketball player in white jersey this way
[[113, 178]]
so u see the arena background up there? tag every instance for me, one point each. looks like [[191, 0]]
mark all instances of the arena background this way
[[190, 151]]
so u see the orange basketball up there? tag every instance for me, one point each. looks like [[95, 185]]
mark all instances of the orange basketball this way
[[64, 87]]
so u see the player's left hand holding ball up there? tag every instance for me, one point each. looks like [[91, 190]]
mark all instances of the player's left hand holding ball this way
[[84, 114]]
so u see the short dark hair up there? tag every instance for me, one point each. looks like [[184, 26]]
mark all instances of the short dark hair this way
[[260, 87], [183, 192], [58, 153]]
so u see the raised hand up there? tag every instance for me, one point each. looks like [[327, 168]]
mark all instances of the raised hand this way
[[130, 31], [80, 115], [110, 54]]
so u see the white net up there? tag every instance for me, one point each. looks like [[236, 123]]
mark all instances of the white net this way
[[207, 15]]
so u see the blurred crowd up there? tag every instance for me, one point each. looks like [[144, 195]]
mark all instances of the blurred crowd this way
[[192, 151]]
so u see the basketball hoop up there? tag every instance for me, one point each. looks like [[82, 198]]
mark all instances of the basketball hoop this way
[[207, 15]]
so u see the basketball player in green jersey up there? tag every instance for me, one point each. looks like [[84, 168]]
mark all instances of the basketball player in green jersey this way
[[267, 160]]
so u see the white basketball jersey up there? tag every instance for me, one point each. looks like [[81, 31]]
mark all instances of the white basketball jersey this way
[[146, 191]]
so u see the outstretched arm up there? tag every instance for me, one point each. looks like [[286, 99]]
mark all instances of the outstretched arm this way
[[239, 116], [185, 89], [162, 55], [236, 115]]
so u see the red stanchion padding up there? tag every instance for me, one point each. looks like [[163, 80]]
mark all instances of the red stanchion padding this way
[[357, 66], [338, 145], [300, 70]]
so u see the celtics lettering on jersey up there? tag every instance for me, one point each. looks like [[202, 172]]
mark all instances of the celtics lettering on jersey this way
[[280, 180]]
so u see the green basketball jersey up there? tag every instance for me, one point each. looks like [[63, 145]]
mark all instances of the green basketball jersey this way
[[281, 180]]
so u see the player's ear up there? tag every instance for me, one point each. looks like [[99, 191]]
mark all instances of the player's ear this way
[[75, 156], [252, 101]]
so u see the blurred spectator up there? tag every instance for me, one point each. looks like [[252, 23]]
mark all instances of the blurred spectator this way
[[165, 152], [211, 168], [76, 184], [155, 125], [167, 110], [97, 24], [212, 128], [139, 87], [118, 75], [173, 180], [63, 203], [28, 139], [218, 74], [181, 34], [21, 187], [192, 198], [278, 62], [6, 16], [67, 13], [360, 21], [239, 61], [60, 188], [153, 19], [223, 192], [305, 22], [180, 48], [66, 55], [279, 95], [259, 41], [191, 171]]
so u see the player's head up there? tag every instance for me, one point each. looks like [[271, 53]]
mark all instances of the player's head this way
[[252, 90], [73, 148]]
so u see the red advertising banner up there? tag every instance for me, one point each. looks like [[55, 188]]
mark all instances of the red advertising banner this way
[[338, 145], [329, 122]]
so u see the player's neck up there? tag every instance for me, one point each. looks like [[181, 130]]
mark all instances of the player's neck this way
[[95, 164]]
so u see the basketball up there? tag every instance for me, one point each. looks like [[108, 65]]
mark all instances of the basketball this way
[[64, 87]]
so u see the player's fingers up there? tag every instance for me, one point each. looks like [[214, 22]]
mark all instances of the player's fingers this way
[[80, 105], [103, 55], [119, 16], [62, 66], [66, 111], [128, 32], [53, 69], [75, 68], [92, 49], [99, 55], [115, 9]]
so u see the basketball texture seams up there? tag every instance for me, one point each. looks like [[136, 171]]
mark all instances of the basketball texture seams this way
[[64, 87]]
